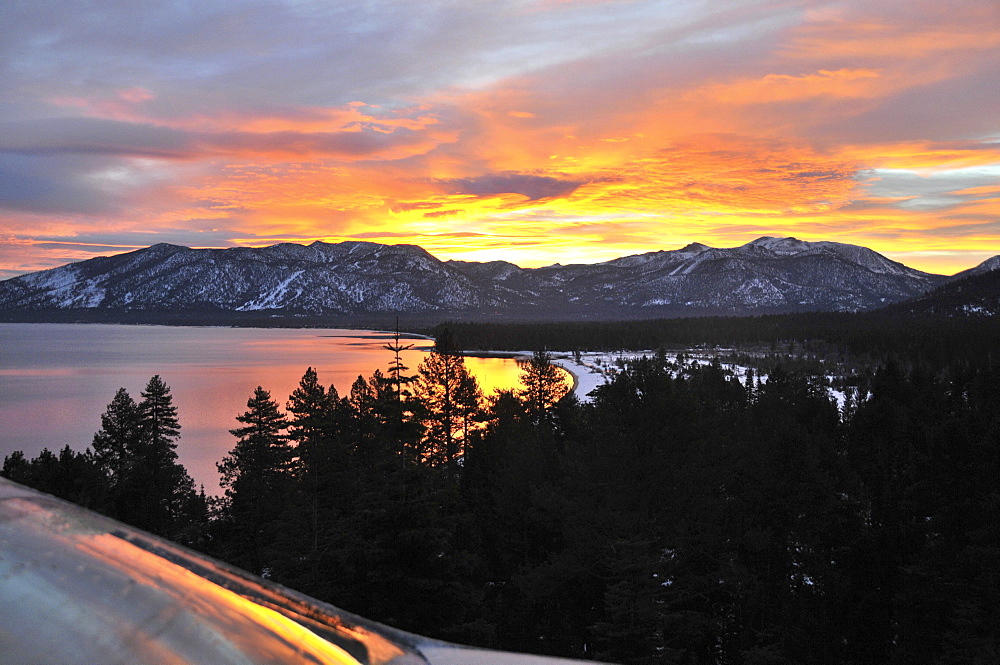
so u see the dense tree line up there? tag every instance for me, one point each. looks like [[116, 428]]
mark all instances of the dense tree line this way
[[680, 517], [934, 339]]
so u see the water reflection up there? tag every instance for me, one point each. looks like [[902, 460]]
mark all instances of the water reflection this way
[[57, 379], [494, 374]]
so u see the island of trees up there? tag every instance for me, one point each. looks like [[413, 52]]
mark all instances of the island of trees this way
[[681, 516]]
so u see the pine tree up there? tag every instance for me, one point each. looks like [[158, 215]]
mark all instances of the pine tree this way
[[69, 475], [159, 416], [450, 397], [314, 427], [116, 446], [156, 487], [16, 467], [256, 479], [312, 423], [397, 370], [543, 385]]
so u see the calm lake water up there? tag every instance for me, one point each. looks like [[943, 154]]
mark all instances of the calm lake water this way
[[57, 379]]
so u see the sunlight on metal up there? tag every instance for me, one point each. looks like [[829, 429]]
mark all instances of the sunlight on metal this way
[[77, 588]]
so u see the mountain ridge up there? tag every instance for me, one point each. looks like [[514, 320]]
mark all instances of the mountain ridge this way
[[353, 278]]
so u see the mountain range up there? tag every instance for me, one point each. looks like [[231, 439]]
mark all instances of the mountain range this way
[[352, 279]]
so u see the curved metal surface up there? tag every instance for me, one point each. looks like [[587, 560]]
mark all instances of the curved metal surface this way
[[77, 588]]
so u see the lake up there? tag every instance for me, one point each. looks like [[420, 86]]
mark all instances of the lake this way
[[57, 379]]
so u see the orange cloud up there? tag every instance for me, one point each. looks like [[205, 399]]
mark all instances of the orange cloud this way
[[921, 30], [927, 156], [843, 83], [717, 129]]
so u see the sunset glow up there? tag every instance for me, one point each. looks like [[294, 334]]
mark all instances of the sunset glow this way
[[530, 131]]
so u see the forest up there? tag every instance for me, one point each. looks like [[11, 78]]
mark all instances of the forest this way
[[681, 516], [862, 336]]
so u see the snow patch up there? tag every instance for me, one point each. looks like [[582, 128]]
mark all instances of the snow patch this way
[[274, 298]]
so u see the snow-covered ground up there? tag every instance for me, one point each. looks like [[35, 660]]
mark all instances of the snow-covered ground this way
[[593, 369]]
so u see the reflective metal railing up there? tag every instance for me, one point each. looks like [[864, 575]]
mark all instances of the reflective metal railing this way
[[77, 588]]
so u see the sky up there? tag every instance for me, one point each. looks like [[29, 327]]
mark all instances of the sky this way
[[530, 131]]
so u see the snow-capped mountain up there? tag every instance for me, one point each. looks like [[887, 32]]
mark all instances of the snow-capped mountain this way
[[349, 278], [768, 274]]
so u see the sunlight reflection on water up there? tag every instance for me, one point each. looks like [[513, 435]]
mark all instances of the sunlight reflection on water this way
[[57, 379]]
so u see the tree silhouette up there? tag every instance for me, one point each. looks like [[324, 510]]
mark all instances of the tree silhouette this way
[[256, 478], [448, 396], [397, 370], [116, 449], [543, 385], [159, 487]]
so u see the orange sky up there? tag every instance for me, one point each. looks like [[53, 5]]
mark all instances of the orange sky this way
[[531, 131]]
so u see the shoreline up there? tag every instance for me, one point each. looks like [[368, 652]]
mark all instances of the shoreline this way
[[562, 363], [526, 355]]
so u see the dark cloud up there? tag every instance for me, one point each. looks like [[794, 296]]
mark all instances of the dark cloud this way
[[33, 183], [368, 235], [461, 234], [265, 54], [532, 186], [345, 145], [812, 175], [53, 136], [84, 247], [941, 188], [78, 165], [415, 205], [192, 232], [87, 165], [974, 229]]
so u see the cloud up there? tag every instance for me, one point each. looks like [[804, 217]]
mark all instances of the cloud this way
[[532, 187], [30, 183], [848, 83], [53, 136], [569, 130], [443, 213], [93, 136]]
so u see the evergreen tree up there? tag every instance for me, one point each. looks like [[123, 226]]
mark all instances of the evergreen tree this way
[[397, 370], [69, 475], [16, 467], [543, 385], [256, 480], [116, 448], [157, 486], [313, 428], [449, 398], [132, 472], [677, 518]]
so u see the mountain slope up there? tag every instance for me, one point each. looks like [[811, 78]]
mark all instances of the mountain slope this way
[[986, 266], [768, 274], [320, 278], [350, 278], [972, 293]]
